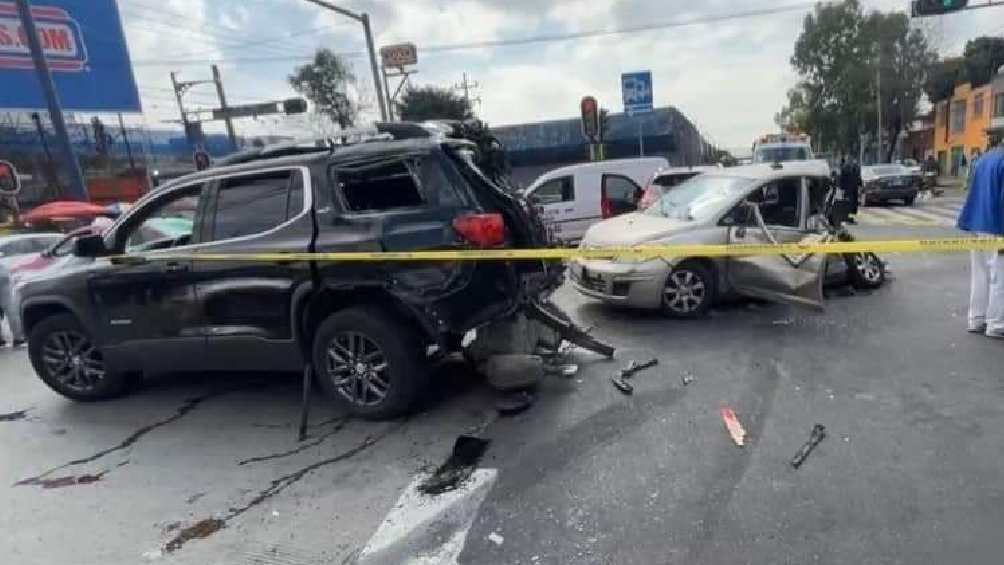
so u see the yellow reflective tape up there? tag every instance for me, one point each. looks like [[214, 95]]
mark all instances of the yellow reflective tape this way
[[637, 252]]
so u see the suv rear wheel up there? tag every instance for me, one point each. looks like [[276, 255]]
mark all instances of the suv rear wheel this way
[[66, 359], [370, 362]]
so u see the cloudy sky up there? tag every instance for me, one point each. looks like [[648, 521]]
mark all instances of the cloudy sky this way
[[728, 73]]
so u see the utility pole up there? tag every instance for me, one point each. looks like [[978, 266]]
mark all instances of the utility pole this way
[[77, 188], [178, 89], [467, 86], [878, 106], [223, 106], [364, 19]]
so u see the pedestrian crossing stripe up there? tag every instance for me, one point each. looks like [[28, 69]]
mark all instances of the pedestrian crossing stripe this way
[[942, 214]]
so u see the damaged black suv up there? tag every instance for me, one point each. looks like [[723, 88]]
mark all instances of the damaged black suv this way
[[133, 300]]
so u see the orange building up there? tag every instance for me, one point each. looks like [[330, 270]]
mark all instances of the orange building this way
[[960, 126]]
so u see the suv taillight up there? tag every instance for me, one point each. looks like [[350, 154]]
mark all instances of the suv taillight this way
[[481, 230], [606, 207]]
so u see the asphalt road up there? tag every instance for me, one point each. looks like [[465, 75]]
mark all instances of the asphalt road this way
[[909, 472]]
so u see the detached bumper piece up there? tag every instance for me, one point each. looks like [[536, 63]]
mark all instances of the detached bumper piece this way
[[549, 315]]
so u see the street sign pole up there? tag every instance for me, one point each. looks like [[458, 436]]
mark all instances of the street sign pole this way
[[77, 189], [641, 139], [223, 105]]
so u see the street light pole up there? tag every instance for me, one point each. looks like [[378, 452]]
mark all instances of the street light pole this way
[[365, 20], [77, 188]]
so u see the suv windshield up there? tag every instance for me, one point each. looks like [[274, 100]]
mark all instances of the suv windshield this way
[[698, 198], [772, 154]]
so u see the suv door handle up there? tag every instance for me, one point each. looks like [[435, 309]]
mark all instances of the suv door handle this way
[[176, 267]]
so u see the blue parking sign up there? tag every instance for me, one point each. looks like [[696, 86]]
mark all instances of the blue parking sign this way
[[636, 90]]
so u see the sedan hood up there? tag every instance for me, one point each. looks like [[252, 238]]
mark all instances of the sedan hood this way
[[632, 229]]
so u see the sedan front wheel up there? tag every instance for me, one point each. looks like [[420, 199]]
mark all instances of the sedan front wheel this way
[[689, 291]]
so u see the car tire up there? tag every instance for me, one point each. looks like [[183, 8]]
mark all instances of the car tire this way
[[865, 270], [65, 358], [349, 348], [910, 200], [689, 291]]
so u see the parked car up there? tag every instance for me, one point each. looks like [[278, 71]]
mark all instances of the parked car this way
[[755, 204], [889, 182], [911, 165], [127, 304], [665, 179], [577, 196], [13, 249]]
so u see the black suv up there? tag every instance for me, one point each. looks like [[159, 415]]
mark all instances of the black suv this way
[[122, 306]]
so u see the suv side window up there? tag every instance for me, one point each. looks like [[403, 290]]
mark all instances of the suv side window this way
[[165, 223], [252, 204], [561, 189], [378, 187], [622, 193]]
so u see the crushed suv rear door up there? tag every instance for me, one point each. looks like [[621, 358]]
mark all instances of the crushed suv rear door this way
[[776, 213]]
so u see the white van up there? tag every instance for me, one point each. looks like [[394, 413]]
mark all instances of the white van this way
[[578, 196]]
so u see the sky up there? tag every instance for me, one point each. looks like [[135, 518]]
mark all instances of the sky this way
[[729, 75]]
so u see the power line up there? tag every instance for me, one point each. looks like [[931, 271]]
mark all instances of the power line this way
[[545, 38]]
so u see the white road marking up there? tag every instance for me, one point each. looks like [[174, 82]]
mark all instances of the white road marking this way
[[428, 530]]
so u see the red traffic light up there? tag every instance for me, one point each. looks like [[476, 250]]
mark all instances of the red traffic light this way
[[590, 109]]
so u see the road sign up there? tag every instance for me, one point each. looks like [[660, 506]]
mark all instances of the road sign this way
[[87, 54], [636, 90], [400, 55], [291, 106]]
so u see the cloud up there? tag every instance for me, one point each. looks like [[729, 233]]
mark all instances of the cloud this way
[[730, 77]]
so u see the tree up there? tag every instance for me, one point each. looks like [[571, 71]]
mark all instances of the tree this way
[[837, 56], [433, 103], [325, 82], [983, 56], [943, 77]]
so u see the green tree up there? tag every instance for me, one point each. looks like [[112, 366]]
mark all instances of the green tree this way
[[433, 103], [838, 55], [983, 56], [942, 78], [325, 82]]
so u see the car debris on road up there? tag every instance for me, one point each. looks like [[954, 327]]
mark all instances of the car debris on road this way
[[818, 433], [620, 379], [733, 425]]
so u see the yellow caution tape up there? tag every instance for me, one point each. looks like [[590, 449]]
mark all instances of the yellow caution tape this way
[[637, 252]]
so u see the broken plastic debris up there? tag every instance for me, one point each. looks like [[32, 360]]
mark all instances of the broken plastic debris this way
[[634, 366], [567, 370], [818, 433], [622, 385], [686, 377], [734, 427], [783, 322], [495, 538]]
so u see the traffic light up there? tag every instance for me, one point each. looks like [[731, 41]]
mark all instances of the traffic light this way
[[590, 117], [921, 8]]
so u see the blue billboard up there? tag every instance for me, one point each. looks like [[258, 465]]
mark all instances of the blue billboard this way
[[85, 47]]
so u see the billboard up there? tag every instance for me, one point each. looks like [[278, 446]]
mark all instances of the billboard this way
[[85, 47]]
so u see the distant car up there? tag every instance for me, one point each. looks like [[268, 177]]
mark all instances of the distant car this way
[[577, 196], [889, 182], [756, 204], [665, 179], [911, 164], [13, 250]]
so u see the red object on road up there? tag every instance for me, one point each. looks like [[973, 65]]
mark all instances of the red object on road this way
[[732, 424], [64, 209]]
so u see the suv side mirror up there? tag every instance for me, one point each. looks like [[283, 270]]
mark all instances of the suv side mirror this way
[[89, 246], [9, 182]]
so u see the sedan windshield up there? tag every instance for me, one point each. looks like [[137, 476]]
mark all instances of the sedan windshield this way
[[699, 197]]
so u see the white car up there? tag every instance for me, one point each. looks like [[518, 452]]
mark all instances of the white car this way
[[757, 204], [577, 196]]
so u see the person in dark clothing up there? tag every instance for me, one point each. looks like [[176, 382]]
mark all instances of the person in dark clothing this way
[[850, 180]]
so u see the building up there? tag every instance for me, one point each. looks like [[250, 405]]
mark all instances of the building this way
[[539, 147], [960, 126], [918, 139], [997, 109]]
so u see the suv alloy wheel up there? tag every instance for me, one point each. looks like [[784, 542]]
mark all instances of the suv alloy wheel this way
[[67, 360]]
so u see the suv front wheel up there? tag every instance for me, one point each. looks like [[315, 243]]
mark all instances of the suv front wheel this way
[[66, 359], [369, 361]]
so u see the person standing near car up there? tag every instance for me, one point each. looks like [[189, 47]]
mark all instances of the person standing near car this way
[[850, 177], [983, 214]]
